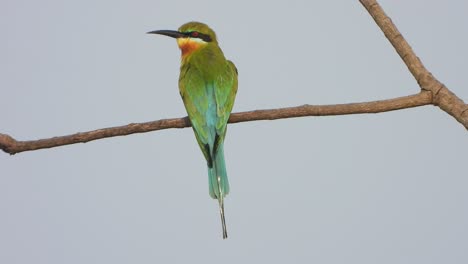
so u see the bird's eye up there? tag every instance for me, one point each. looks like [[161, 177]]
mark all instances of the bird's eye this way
[[194, 34]]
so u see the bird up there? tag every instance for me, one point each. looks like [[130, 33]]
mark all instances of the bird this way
[[208, 87]]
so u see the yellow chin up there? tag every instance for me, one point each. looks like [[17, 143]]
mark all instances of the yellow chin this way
[[190, 41], [189, 45]]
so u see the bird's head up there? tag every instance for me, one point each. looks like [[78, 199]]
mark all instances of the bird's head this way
[[190, 36]]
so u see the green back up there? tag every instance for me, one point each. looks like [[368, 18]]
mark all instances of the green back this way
[[208, 86]]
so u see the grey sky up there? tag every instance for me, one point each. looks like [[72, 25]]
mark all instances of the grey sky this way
[[384, 188]]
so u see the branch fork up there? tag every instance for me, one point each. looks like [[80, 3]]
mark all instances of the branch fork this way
[[433, 92]]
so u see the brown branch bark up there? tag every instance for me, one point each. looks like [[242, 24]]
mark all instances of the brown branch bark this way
[[432, 92], [12, 146], [441, 95]]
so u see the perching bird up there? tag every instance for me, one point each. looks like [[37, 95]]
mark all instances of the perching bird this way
[[208, 86]]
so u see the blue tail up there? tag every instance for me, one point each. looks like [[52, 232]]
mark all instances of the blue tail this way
[[218, 183], [217, 176]]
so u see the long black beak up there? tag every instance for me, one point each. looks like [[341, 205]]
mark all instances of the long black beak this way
[[169, 33]]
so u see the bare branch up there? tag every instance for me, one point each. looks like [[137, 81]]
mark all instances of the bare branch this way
[[12, 146], [442, 96], [432, 92]]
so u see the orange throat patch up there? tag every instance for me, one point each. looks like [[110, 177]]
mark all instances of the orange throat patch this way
[[189, 45]]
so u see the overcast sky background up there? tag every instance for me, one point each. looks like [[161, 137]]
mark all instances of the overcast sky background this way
[[383, 188]]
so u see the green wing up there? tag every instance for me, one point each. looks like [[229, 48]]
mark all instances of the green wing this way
[[208, 104], [225, 93], [193, 93]]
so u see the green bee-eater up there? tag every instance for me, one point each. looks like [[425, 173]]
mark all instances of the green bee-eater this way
[[208, 86]]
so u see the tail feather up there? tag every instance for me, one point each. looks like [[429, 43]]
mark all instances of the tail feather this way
[[218, 183]]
